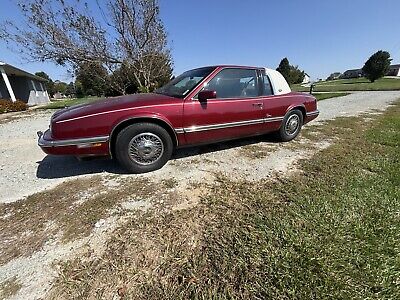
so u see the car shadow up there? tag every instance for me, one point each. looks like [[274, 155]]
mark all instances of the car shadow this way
[[52, 167]]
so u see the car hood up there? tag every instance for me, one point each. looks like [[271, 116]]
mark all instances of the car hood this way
[[114, 103]]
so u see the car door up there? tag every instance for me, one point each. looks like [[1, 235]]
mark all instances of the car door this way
[[237, 110]]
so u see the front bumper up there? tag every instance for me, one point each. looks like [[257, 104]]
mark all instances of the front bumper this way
[[82, 146]]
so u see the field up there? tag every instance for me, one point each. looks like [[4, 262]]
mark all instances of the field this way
[[357, 84]]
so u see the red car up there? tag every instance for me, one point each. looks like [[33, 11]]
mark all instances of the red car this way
[[201, 106]]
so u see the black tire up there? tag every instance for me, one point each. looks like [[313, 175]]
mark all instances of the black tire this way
[[138, 142], [286, 131]]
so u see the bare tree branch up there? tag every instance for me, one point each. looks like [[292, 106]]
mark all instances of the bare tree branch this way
[[131, 37]]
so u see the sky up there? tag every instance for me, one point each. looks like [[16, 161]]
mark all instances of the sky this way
[[319, 36]]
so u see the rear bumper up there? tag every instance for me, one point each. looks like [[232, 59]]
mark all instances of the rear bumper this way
[[311, 116], [81, 146]]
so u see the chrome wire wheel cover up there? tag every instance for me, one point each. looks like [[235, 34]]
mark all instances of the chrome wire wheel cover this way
[[145, 148], [292, 124]]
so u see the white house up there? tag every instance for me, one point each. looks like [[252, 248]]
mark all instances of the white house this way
[[306, 78], [16, 84]]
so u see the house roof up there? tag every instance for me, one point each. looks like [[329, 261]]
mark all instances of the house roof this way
[[395, 66], [11, 70], [353, 70]]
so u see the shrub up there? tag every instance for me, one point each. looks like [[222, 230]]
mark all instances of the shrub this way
[[9, 106], [377, 65]]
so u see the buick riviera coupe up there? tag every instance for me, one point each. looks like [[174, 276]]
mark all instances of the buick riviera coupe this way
[[201, 106]]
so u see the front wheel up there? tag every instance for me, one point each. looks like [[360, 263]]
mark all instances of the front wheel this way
[[291, 125], [143, 147]]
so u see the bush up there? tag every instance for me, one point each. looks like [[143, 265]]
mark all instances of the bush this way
[[377, 65], [9, 106]]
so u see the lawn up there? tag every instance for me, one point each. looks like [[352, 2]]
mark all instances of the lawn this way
[[356, 84], [329, 231], [58, 104]]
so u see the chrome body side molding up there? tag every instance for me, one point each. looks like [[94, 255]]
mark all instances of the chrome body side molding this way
[[179, 130], [227, 125], [312, 113]]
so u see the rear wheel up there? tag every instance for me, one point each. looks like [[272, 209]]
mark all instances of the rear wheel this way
[[143, 147], [291, 125]]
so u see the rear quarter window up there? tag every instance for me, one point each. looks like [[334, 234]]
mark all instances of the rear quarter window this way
[[267, 90]]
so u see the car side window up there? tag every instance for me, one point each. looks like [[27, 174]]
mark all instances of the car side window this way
[[234, 83], [267, 91]]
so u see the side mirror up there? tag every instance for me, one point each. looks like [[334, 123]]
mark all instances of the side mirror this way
[[205, 95]]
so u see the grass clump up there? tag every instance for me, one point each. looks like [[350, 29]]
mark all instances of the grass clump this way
[[9, 288]]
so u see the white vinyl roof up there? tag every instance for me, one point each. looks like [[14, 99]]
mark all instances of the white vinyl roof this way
[[278, 82], [11, 70]]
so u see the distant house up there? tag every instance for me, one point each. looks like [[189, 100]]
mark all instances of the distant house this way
[[59, 95], [334, 76], [16, 84], [306, 78], [394, 70], [354, 73]]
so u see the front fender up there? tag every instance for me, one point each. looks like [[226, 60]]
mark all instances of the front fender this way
[[142, 115]]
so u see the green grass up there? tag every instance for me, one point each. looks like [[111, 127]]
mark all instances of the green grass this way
[[331, 231], [58, 104], [356, 84], [323, 96]]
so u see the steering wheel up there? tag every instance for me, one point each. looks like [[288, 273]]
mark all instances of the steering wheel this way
[[244, 93]]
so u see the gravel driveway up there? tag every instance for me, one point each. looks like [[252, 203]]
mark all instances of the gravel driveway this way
[[25, 169]]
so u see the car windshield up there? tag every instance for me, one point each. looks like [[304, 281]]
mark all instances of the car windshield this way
[[183, 84]]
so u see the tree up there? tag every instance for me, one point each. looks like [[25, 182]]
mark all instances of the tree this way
[[49, 83], [128, 32], [60, 87], [78, 89], [123, 80], [377, 65], [93, 78], [284, 68], [291, 73], [70, 91], [296, 75]]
